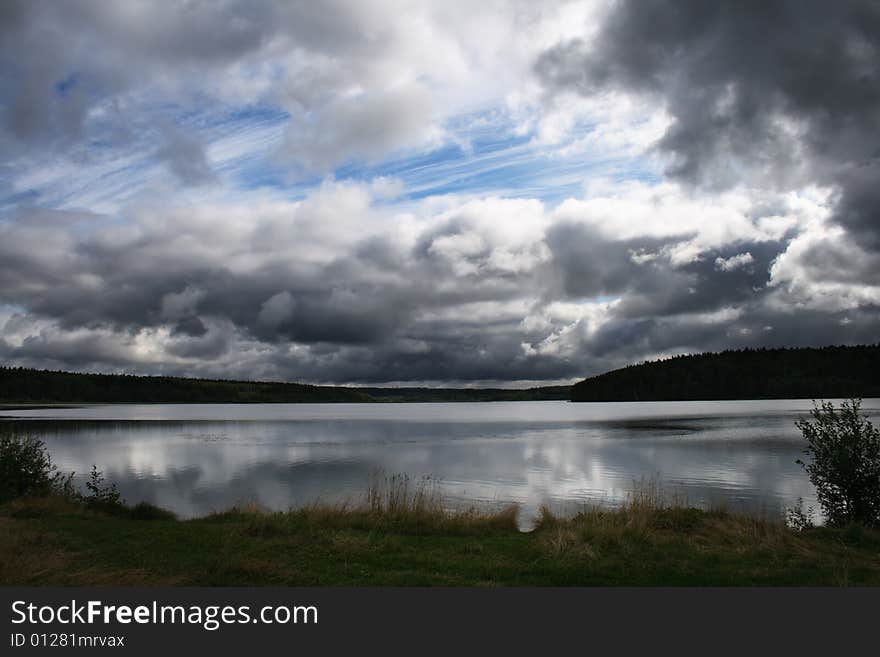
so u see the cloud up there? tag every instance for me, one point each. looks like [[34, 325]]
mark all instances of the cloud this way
[[276, 309], [734, 262], [792, 107], [364, 126], [338, 287], [432, 192], [358, 79], [185, 158]]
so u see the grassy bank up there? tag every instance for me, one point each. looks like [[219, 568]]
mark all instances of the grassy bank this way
[[410, 541]]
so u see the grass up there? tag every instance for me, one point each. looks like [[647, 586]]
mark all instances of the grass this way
[[403, 535]]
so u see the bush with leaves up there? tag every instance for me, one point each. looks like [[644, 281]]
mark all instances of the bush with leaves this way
[[799, 518], [845, 462], [101, 495], [26, 470]]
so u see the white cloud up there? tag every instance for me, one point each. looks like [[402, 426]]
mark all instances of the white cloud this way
[[823, 269], [734, 262]]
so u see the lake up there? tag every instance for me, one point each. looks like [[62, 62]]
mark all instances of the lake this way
[[198, 458]]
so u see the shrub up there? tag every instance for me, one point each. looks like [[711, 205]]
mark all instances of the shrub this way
[[101, 495], [845, 462], [26, 470], [798, 518], [147, 511]]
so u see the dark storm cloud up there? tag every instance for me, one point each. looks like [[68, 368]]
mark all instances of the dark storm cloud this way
[[640, 271], [779, 92], [842, 261], [717, 301], [589, 265], [432, 311], [701, 286], [190, 326], [75, 351], [365, 316], [82, 282]]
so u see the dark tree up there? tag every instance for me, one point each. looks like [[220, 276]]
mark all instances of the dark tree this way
[[844, 448], [26, 469]]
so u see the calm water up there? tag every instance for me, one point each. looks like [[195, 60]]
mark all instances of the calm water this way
[[198, 458]]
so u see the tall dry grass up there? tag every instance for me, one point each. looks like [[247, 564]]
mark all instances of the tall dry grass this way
[[651, 515], [397, 502]]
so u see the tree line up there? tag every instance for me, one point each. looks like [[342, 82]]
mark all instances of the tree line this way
[[22, 385], [787, 373]]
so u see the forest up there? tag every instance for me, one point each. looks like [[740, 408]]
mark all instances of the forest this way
[[30, 386], [21, 385], [788, 373]]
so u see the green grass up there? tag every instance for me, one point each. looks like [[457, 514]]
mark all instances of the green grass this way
[[402, 536]]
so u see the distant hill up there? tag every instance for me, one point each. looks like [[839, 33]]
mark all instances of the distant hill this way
[[466, 394], [801, 373], [28, 386], [19, 385]]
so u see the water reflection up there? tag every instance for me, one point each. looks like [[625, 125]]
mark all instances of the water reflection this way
[[740, 454]]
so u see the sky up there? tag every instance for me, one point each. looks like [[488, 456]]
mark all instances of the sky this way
[[383, 192]]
